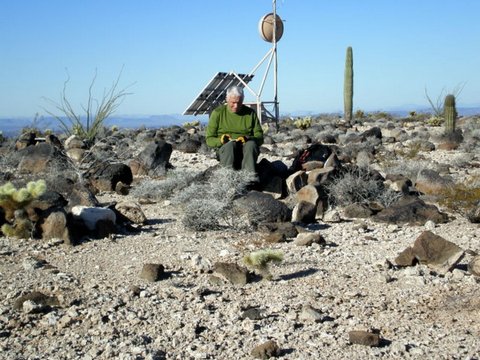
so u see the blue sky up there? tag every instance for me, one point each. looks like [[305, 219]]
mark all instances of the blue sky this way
[[169, 50]]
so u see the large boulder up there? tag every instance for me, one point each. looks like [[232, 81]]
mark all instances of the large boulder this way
[[260, 208], [153, 160], [411, 210]]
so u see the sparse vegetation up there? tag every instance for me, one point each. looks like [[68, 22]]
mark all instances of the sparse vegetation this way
[[463, 198], [260, 260], [87, 126], [156, 190], [209, 205], [359, 185]]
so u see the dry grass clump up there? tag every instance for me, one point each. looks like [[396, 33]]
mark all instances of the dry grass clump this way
[[156, 190]]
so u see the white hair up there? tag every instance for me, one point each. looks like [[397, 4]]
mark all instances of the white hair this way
[[235, 91]]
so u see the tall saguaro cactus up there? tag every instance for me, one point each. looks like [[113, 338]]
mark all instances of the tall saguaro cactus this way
[[449, 113], [348, 86]]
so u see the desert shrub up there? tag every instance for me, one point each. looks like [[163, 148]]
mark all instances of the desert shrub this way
[[411, 151], [155, 190], [208, 205], [463, 198], [410, 169], [377, 115], [359, 185]]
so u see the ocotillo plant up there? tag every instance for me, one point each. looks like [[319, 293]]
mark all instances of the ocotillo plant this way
[[348, 86], [449, 113]]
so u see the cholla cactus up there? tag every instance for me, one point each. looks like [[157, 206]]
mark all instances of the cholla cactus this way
[[260, 260], [303, 123], [12, 199]]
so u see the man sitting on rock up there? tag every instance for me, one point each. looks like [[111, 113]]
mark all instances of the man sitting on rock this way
[[235, 131]]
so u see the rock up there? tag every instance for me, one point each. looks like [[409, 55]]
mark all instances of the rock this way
[[406, 258], [474, 266], [262, 207], [37, 300], [296, 181], [304, 212], [411, 210], [274, 187], [74, 142], [152, 272], [266, 350], [189, 146], [55, 227], [308, 193], [153, 160], [288, 229], [307, 239], [252, 313], [437, 253], [311, 165], [106, 176], [25, 140], [232, 272], [121, 188], [310, 314], [92, 215], [365, 338], [320, 176], [357, 210], [41, 158], [431, 183], [131, 211], [275, 237], [32, 264], [331, 216]]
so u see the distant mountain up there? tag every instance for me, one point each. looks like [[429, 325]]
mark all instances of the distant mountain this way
[[12, 126]]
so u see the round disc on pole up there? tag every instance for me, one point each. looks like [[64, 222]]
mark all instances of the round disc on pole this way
[[266, 25]]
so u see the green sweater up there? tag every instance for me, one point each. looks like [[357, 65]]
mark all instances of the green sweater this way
[[223, 121]]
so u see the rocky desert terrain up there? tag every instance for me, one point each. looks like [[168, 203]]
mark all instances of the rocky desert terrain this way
[[159, 289]]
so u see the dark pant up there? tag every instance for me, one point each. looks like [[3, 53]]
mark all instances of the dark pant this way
[[237, 156]]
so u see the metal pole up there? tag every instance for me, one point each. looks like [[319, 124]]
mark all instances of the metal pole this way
[[275, 65]]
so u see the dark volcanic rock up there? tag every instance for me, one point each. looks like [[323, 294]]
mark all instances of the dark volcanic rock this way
[[411, 210]]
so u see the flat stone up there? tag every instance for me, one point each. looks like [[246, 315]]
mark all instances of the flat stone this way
[[474, 266], [366, 338], [307, 239], [437, 253], [232, 272]]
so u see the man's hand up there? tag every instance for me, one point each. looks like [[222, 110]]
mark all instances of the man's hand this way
[[242, 139], [225, 138]]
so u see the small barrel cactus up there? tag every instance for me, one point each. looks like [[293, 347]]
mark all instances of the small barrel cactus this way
[[449, 113]]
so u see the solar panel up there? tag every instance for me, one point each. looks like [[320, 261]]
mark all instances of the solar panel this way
[[214, 93]]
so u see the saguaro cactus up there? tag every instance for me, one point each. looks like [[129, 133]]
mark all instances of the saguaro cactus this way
[[348, 86], [449, 113]]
